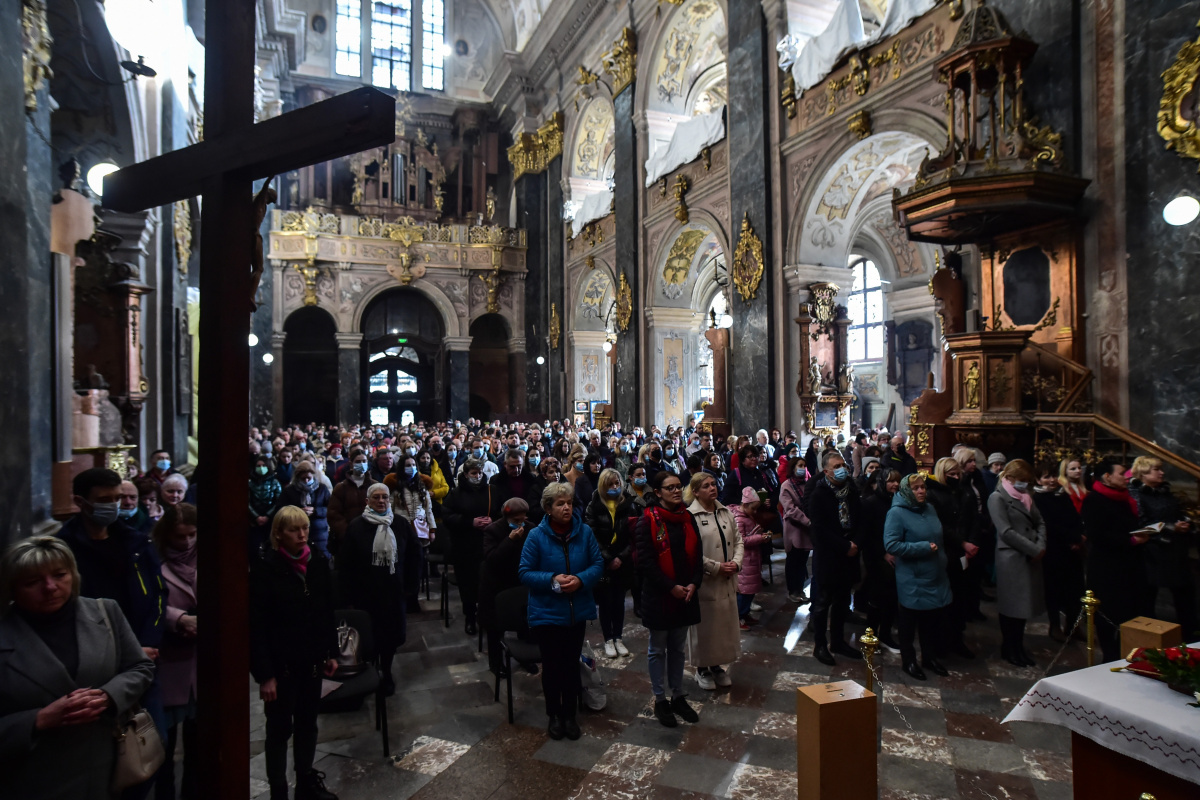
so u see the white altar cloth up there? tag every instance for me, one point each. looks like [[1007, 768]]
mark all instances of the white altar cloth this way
[[1127, 713]]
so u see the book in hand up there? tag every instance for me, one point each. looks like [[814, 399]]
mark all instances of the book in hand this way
[[1149, 530]]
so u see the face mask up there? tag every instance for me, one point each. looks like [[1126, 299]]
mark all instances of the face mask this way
[[534, 461], [126, 513], [841, 473], [487, 446], [163, 465], [261, 470], [524, 448], [477, 452], [436, 447], [410, 471], [1021, 486], [624, 448], [310, 482], [613, 492], [452, 454], [670, 452], [639, 481], [514, 525], [579, 466], [474, 479], [361, 468], [412, 451], [655, 455], [104, 514]]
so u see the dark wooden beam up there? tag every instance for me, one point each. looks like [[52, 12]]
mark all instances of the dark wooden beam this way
[[342, 125]]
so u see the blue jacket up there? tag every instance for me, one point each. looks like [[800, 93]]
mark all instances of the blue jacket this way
[[544, 556], [921, 581]]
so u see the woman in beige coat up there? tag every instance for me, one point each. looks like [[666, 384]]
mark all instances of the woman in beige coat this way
[[717, 639]]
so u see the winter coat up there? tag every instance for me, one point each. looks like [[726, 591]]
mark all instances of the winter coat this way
[[660, 610], [176, 663], [833, 566], [441, 486], [264, 496], [749, 579], [761, 479], [908, 530], [1020, 537], [501, 566], [73, 762], [899, 460], [345, 504], [1116, 567], [373, 588], [139, 589], [292, 629], [955, 507], [880, 583], [414, 500], [462, 506], [1064, 528], [614, 538], [717, 638], [545, 555], [796, 525], [1166, 553], [318, 523]]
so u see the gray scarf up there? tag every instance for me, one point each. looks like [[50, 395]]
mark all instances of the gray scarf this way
[[383, 550]]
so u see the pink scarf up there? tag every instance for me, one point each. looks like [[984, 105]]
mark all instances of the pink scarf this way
[[182, 563], [298, 562], [1025, 498]]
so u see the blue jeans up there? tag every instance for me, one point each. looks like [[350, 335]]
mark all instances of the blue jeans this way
[[744, 601], [666, 650]]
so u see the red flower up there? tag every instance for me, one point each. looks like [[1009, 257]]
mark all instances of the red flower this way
[[1173, 653]]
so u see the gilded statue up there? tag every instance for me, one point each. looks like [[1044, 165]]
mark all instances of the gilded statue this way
[[972, 384], [491, 205], [265, 197], [846, 379]]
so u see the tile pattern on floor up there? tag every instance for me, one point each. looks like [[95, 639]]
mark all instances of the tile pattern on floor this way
[[941, 739]]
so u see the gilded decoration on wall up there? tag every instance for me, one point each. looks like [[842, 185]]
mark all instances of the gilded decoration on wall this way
[[621, 62], [823, 307], [310, 222], [492, 281], [182, 224], [1177, 114], [748, 262], [533, 152], [860, 123], [309, 271], [681, 188], [788, 95], [404, 114], [624, 303], [679, 262], [555, 326], [971, 382], [595, 140], [35, 55]]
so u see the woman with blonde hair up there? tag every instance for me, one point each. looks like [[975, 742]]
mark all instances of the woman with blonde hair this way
[[1020, 547], [607, 514], [715, 641], [1070, 478], [1167, 561]]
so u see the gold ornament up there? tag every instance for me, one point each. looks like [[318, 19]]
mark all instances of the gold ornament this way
[[860, 123], [681, 188], [555, 326], [748, 262], [533, 152], [624, 303], [35, 46], [972, 384], [182, 223], [621, 62], [1177, 124]]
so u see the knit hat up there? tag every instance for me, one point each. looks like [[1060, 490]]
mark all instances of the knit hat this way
[[996, 458], [869, 460], [749, 495]]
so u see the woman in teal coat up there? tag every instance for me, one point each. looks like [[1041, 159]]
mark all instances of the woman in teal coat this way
[[560, 564], [912, 533]]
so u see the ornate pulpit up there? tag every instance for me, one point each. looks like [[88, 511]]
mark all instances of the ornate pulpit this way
[[985, 386]]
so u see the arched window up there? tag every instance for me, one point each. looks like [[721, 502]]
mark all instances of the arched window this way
[[401, 40], [865, 335]]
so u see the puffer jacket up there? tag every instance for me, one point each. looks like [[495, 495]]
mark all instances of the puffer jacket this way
[[750, 576], [921, 580], [545, 555]]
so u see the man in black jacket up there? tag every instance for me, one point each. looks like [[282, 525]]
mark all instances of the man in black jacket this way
[[896, 457], [837, 529]]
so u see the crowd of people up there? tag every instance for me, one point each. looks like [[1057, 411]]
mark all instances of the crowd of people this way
[[568, 521]]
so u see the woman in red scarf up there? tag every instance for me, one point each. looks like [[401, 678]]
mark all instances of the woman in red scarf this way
[[1116, 570], [670, 557]]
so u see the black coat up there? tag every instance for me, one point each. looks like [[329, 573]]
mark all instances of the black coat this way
[[1116, 568], [501, 563], [292, 629], [503, 490], [1167, 559], [372, 588], [956, 511], [660, 610], [1064, 528], [615, 540], [318, 523], [898, 459], [761, 479], [833, 566], [462, 506]]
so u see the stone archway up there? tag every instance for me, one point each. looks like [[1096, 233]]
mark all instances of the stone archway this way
[[310, 367], [402, 357]]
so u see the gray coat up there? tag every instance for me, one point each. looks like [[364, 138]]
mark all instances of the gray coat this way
[[75, 762], [1020, 536]]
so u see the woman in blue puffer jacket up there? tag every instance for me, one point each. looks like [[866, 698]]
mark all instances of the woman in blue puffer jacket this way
[[560, 564], [912, 534]]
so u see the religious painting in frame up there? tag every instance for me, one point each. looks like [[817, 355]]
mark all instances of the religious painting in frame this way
[[581, 406], [826, 416]]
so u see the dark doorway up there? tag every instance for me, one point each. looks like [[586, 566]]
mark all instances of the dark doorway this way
[[309, 367], [403, 358], [490, 393]]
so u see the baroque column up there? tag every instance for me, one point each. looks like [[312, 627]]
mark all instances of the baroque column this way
[[349, 372], [754, 334], [277, 340], [458, 349]]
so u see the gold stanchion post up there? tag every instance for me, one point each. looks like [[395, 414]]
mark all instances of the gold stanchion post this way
[[1090, 603], [870, 643]]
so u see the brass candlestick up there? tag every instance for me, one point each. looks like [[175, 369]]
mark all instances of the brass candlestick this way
[[1090, 603], [869, 642]]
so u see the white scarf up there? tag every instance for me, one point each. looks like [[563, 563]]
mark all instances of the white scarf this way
[[383, 550]]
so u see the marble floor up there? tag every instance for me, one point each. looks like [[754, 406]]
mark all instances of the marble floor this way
[[941, 739]]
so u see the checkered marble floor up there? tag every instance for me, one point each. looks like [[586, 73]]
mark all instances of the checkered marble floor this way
[[941, 739]]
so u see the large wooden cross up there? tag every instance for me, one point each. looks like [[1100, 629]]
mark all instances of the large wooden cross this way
[[222, 169]]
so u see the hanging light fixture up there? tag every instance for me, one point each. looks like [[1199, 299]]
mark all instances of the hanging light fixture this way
[[253, 340]]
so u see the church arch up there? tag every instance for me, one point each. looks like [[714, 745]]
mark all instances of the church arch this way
[[403, 356], [310, 369], [450, 316]]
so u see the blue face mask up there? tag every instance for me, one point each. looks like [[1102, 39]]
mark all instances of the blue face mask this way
[[451, 454], [525, 448], [163, 465], [624, 448], [126, 513], [360, 467], [841, 473], [613, 492], [410, 471], [534, 461], [310, 483], [477, 452], [639, 481], [670, 452], [515, 525], [579, 466]]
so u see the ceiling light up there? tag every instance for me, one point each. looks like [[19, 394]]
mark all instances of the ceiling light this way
[[725, 321], [268, 358], [253, 340], [1180, 211], [541, 360], [95, 176]]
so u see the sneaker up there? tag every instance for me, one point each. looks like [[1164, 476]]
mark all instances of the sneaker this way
[[755, 607], [622, 650], [721, 677], [610, 650], [798, 597], [682, 710], [704, 679], [662, 710], [743, 625]]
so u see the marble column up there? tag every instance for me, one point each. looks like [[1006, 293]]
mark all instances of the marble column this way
[[25, 303], [277, 340], [349, 372], [627, 395], [532, 216], [754, 336], [554, 367], [517, 388], [459, 376]]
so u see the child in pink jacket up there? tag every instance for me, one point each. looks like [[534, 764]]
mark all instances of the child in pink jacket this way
[[750, 576]]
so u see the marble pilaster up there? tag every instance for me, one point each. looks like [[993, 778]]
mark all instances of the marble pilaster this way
[[276, 366], [458, 351], [674, 389], [527, 388], [627, 396], [554, 367], [349, 371], [754, 336], [592, 367]]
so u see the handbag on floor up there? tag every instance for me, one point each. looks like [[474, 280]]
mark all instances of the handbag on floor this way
[[594, 696], [347, 655]]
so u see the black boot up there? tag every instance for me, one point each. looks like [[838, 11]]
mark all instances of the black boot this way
[[912, 669], [685, 712], [821, 653], [934, 666], [312, 787], [662, 710], [555, 729]]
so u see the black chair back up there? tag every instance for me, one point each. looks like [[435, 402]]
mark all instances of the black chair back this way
[[512, 609]]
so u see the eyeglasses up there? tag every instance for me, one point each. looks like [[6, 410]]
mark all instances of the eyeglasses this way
[[675, 487]]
